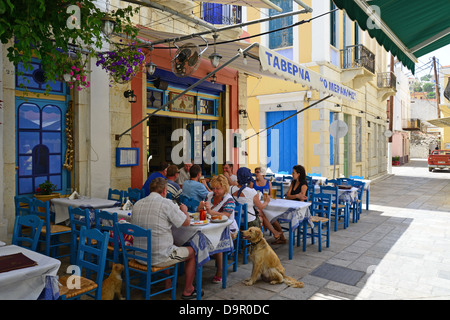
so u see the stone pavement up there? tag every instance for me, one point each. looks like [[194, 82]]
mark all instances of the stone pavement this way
[[399, 248]]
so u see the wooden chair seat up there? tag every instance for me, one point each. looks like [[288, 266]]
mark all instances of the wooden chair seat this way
[[86, 285], [317, 219], [139, 266], [56, 228], [333, 206]]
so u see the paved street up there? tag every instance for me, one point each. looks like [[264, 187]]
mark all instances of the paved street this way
[[399, 249]]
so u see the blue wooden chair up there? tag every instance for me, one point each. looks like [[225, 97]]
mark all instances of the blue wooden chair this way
[[339, 210], [356, 206], [190, 203], [311, 189], [244, 226], [137, 261], [91, 258], [367, 190], [23, 205], [115, 194], [29, 239], [236, 243], [78, 218], [134, 195], [52, 234], [321, 217], [335, 182], [105, 221]]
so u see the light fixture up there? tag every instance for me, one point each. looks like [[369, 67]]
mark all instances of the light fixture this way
[[243, 113], [108, 25], [108, 22], [245, 59], [151, 68], [213, 79], [215, 57], [129, 94]]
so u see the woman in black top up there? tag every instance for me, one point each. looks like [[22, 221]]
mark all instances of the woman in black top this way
[[299, 187]]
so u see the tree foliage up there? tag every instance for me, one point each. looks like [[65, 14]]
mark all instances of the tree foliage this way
[[46, 30]]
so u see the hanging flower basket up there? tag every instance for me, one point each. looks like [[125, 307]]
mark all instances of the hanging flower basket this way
[[121, 64], [75, 74]]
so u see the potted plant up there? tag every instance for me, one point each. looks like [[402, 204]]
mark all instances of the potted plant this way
[[45, 191], [396, 160], [75, 74], [121, 64]]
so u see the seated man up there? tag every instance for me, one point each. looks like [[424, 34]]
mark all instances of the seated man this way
[[161, 173], [173, 189], [160, 214], [184, 173], [194, 189], [228, 173]]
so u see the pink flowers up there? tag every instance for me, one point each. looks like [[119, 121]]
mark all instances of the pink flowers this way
[[77, 75]]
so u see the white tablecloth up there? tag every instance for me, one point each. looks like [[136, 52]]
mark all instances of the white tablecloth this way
[[28, 283], [347, 195], [205, 239], [125, 214], [60, 206], [289, 210]]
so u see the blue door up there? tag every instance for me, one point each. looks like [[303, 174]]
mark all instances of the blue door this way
[[286, 143], [40, 144]]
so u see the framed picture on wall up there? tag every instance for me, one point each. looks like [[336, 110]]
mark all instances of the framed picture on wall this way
[[183, 104]]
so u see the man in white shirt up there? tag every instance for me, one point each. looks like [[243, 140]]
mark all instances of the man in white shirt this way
[[183, 174], [160, 214], [228, 173]]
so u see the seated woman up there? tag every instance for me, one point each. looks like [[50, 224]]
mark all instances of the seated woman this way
[[245, 195], [261, 184], [298, 189], [220, 203]]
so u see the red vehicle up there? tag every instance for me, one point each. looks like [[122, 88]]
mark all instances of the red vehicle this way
[[439, 159]]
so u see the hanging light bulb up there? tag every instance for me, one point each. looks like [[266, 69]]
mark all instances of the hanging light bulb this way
[[108, 25], [215, 57], [245, 59], [151, 68]]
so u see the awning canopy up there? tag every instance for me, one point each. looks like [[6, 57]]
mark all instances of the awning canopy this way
[[440, 122], [408, 29], [261, 61]]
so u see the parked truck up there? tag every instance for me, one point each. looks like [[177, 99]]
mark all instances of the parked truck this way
[[439, 159]]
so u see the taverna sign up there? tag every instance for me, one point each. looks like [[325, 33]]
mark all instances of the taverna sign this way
[[289, 70]]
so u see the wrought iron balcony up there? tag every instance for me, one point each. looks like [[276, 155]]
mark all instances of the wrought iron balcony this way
[[386, 80], [357, 56], [411, 124]]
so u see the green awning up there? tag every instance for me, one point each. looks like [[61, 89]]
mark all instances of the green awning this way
[[408, 29]]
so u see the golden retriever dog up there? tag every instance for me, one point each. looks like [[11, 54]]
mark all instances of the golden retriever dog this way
[[265, 261]]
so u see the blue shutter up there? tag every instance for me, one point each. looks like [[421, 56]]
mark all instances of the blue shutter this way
[[282, 38]]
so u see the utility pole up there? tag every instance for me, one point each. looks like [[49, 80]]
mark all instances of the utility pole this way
[[438, 96]]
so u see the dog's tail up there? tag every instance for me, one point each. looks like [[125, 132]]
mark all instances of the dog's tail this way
[[293, 283]]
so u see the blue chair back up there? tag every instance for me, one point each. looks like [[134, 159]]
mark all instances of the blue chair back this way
[[279, 187], [78, 218], [356, 177], [333, 191], [335, 182], [115, 194], [105, 221], [321, 205], [360, 185], [23, 205], [143, 255], [32, 236], [192, 204], [42, 210], [91, 255], [345, 181], [134, 195]]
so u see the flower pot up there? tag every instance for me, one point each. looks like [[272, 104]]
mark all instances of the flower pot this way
[[395, 163]]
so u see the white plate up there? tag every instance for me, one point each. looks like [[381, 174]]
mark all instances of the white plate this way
[[224, 219], [199, 223]]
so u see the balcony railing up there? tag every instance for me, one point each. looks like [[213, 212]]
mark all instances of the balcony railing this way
[[386, 80], [411, 124], [357, 56], [216, 13]]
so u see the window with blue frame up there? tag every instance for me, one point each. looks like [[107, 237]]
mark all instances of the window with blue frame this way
[[155, 98], [39, 144], [282, 38], [33, 79], [208, 106], [334, 151], [216, 13], [333, 25]]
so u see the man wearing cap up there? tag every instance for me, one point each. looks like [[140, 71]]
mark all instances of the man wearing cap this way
[[172, 187]]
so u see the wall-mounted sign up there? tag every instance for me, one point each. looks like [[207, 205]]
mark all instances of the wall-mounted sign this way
[[127, 157], [185, 103]]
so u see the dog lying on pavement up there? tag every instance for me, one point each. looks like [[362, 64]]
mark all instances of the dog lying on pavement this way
[[265, 261]]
